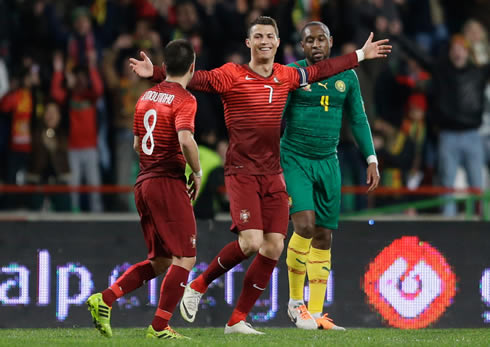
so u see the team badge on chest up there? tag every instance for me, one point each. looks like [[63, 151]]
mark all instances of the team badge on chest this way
[[244, 216], [340, 86]]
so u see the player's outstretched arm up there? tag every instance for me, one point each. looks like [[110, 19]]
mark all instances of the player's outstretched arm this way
[[215, 81], [377, 49], [332, 66]]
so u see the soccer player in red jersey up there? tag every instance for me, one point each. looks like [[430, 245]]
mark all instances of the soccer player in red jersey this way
[[254, 96], [163, 137]]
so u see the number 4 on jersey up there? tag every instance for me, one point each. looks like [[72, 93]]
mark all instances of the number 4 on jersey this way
[[324, 102]]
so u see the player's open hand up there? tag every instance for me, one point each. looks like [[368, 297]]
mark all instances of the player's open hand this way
[[372, 177], [143, 68], [377, 49], [193, 186]]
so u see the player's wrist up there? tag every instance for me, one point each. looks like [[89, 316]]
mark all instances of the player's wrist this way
[[372, 159], [197, 173], [360, 55]]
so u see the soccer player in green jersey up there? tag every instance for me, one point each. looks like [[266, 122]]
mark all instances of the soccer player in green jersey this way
[[311, 170]]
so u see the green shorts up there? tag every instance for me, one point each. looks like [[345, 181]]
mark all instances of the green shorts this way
[[313, 184]]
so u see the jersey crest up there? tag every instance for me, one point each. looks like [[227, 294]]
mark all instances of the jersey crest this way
[[245, 216], [340, 86]]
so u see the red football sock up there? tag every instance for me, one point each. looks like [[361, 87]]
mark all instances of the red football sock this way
[[170, 293], [133, 278], [226, 259], [255, 281]]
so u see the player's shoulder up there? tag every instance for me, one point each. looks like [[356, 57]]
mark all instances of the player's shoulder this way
[[351, 73], [283, 70], [280, 67], [179, 90], [348, 76], [232, 67]]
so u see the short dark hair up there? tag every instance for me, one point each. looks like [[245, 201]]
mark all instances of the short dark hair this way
[[178, 55], [263, 20], [324, 27]]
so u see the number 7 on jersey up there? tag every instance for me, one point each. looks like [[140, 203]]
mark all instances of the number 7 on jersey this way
[[270, 94]]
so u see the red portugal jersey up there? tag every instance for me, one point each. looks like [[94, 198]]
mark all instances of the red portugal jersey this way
[[254, 105], [160, 113]]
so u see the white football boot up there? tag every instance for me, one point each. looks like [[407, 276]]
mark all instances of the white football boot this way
[[301, 317], [190, 303], [242, 327]]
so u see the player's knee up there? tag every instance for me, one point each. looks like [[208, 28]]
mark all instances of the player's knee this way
[[185, 262], [160, 265], [272, 248], [251, 243], [322, 238], [305, 229]]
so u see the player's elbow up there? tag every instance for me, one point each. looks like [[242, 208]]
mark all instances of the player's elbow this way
[[186, 139]]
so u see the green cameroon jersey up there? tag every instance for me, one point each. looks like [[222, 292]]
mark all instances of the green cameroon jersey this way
[[314, 116]]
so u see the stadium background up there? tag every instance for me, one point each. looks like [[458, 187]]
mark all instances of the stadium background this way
[[40, 37]]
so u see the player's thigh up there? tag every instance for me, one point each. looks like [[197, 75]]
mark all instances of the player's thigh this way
[[148, 228], [299, 185], [327, 193], [275, 206], [171, 212], [245, 204]]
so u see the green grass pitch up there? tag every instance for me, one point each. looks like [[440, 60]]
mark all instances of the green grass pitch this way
[[283, 337]]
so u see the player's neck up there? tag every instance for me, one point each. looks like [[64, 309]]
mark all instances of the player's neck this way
[[183, 80], [263, 69]]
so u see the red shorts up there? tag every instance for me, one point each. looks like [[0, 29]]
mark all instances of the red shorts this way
[[258, 202], [167, 217]]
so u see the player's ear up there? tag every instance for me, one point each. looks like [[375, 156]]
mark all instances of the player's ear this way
[[330, 42], [247, 42]]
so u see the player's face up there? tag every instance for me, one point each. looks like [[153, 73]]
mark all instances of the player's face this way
[[263, 42], [316, 44]]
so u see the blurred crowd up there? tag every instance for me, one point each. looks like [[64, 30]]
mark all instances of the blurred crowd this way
[[67, 93]]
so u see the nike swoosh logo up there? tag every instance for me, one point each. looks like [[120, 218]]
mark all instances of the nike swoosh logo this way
[[182, 284], [249, 78], [219, 262], [301, 262], [187, 312], [294, 319], [325, 268], [256, 287]]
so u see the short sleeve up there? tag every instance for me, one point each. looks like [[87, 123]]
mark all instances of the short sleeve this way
[[185, 114], [296, 76]]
